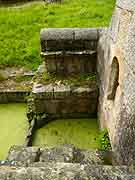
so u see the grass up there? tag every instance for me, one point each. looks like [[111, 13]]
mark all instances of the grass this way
[[75, 79], [20, 27]]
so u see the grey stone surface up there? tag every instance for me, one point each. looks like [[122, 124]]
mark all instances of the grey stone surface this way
[[70, 64], [69, 39], [61, 91], [68, 51], [86, 34], [117, 113], [61, 153], [65, 100], [8, 96], [126, 4], [62, 171], [57, 34], [24, 154], [62, 162]]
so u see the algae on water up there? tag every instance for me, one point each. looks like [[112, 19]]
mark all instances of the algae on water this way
[[13, 126], [83, 133]]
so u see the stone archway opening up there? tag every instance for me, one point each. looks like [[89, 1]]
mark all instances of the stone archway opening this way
[[113, 79]]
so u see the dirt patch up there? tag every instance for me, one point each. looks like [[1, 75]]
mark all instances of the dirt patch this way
[[14, 78]]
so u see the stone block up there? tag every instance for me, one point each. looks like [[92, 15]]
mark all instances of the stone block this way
[[68, 39], [86, 34], [68, 64], [57, 34], [62, 171], [60, 65], [61, 91], [51, 64], [41, 91], [23, 154]]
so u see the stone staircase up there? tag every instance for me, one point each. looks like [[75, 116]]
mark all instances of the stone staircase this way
[[63, 162]]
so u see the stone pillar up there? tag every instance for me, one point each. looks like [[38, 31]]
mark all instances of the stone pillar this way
[[116, 71], [68, 51]]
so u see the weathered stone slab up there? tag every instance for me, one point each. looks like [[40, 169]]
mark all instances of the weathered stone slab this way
[[116, 77], [13, 96], [69, 51], [56, 39], [22, 154], [73, 63], [39, 91], [61, 91], [86, 34], [65, 100], [57, 34], [62, 153], [62, 171]]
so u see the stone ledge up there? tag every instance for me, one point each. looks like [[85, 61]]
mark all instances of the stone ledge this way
[[50, 91], [37, 156], [67, 53], [69, 34], [13, 96], [69, 39], [63, 101], [62, 171]]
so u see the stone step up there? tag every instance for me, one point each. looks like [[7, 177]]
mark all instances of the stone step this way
[[61, 153], [67, 171]]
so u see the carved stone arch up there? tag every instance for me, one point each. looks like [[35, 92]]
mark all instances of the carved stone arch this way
[[113, 79]]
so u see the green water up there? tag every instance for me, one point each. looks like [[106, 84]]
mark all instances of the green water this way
[[13, 126], [83, 133]]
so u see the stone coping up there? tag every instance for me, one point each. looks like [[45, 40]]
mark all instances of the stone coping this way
[[70, 171], [8, 96], [67, 53], [69, 33], [69, 39], [62, 90]]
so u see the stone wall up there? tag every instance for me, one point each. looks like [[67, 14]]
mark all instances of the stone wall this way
[[60, 163], [117, 81], [69, 51], [70, 171], [14, 96], [65, 101]]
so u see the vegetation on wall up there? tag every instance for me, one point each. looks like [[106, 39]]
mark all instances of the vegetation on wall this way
[[104, 140], [20, 26], [75, 79]]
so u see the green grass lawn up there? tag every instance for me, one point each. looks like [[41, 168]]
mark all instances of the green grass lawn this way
[[20, 27]]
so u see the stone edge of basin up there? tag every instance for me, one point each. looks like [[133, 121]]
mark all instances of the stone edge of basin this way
[[8, 96], [51, 90]]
